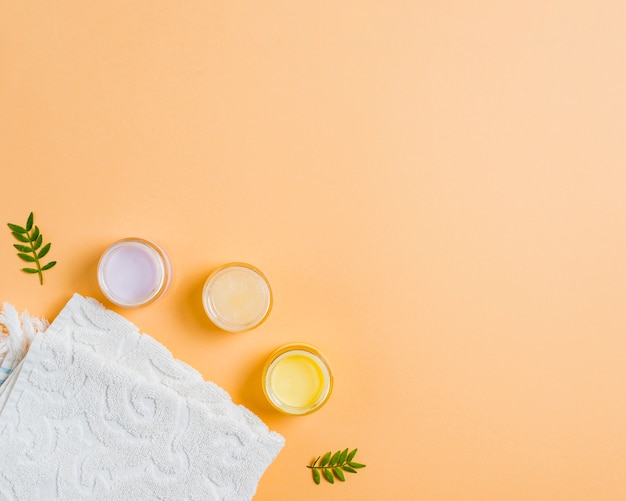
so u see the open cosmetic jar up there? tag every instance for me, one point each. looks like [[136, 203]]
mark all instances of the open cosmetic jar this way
[[237, 297], [134, 272], [297, 379]]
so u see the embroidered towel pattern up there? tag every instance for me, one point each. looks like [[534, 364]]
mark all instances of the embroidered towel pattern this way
[[96, 410]]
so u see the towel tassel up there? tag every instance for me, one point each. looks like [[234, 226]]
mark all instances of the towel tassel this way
[[16, 334]]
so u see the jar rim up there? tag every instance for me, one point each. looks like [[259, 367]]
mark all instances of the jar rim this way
[[212, 311], [318, 357], [161, 260]]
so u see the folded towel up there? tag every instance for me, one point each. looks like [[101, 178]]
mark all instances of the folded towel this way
[[96, 410]]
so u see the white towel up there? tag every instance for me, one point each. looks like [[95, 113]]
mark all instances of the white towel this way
[[98, 411]]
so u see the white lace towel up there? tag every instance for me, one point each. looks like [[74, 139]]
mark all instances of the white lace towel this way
[[97, 411]]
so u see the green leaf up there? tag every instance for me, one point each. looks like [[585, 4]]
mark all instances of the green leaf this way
[[38, 242], [23, 248], [16, 228], [356, 465], [334, 466], [49, 265], [339, 474], [328, 475], [44, 250], [316, 476], [26, 257], [34, 252], [325, 459], [21, 237]]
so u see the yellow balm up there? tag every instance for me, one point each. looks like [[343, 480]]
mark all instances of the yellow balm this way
[[297, 379], [237, 297]]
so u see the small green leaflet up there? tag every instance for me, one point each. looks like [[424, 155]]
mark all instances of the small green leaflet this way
[[30, 249], [332, 466]]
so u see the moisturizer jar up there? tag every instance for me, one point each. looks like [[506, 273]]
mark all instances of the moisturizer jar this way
[[134, 272], [297, 379], [237, 297]]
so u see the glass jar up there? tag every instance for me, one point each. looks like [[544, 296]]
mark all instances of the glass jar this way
[[134, 272], [297, 379], [237, 297]]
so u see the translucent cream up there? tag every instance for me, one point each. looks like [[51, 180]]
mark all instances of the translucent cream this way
[[134, 272], [237, 297]]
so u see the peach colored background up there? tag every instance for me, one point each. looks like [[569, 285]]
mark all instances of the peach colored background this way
[[436, 190]]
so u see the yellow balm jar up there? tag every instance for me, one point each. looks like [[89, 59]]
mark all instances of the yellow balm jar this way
[[297, 379], [237, 297]]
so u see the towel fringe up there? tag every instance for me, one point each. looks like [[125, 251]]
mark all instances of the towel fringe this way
[[16, 334]]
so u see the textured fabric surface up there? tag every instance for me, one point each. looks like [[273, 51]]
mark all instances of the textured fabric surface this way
[[97, 410]]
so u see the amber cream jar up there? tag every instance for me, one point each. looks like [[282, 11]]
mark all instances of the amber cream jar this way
[[134, 272], [297, 379], [237, 297]]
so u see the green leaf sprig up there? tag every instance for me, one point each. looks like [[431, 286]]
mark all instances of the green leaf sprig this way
[[333, 466], [30, 249]]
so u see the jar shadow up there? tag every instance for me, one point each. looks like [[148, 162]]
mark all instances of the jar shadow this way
[[252, 391], [86, 274], [193, 309]]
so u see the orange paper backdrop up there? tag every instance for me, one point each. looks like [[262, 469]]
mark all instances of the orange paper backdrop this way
[[436, 191]]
